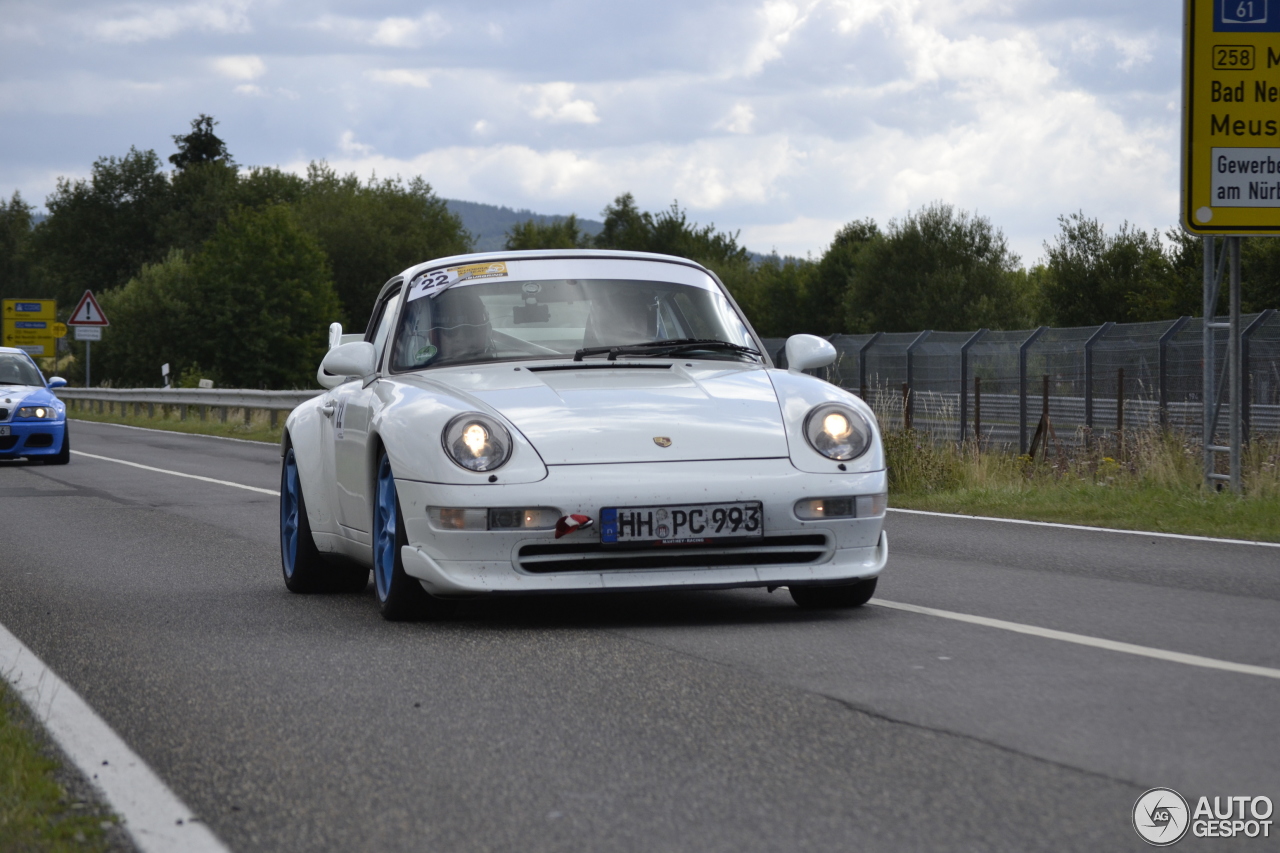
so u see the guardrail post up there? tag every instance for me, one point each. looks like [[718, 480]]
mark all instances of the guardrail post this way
[[248, 412], [964, 381], [222, 416], [862, 365], [151, 410], [275, 417], [1022, 387], [1164, 368]]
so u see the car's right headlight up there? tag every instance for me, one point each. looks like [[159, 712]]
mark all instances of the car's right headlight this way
[[477, 442], [837, 432]]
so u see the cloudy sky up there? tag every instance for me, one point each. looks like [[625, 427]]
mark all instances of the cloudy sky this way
[[780, 118]]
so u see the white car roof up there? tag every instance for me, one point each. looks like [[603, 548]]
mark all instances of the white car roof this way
[[548, 254]]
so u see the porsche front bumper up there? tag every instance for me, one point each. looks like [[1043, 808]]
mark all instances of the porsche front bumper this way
[[463, 562]]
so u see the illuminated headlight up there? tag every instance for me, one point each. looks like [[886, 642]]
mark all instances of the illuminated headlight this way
[[477, 442], [45, 412], [500, 518], [860, 506], [837, 432]]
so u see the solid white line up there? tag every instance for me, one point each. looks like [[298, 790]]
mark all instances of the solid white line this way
[[1090, 529], [1083, 640], [179, 474], [176, 432], [153, 815]]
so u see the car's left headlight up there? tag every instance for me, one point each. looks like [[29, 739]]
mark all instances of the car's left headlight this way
[[837, 432], [46, 412], [477, 442]]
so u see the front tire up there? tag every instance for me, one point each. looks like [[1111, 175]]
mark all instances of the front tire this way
[[400, 596], [304, 568], [832, 597]]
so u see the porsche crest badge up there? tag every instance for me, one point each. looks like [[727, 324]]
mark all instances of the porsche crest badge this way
[[662, 441]]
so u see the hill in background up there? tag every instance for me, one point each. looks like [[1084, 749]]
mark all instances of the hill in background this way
[[488, 224]]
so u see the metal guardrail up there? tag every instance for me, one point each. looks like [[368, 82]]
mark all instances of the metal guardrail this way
[[185, 399]]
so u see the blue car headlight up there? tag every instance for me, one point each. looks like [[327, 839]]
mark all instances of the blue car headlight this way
[[42, 412]]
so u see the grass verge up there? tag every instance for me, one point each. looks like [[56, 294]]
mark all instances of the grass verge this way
[[1153, 483], [36, 812], [258, 429]]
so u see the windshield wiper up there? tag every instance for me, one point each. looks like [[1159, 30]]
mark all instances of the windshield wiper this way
[[667, 347]]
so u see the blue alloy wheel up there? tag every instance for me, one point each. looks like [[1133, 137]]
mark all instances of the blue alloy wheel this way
[[290, 496], [305, 570], [399, 595], [386, 519]]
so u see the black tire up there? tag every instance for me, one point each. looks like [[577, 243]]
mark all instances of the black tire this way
[[832, 597], [304, 568], [63, 456], [400, 596]]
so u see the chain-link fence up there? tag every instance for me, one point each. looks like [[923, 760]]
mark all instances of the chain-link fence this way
[[1096, 379]]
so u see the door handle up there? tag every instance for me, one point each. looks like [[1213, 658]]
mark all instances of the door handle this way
[[327, 410]]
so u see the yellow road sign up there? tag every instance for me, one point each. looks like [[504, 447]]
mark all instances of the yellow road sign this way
[[59, 330], [1231, 117], [30, 324]]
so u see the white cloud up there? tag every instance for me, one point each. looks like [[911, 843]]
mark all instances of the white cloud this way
[[416, 78], [739, 120], [555, 102], [409, 32], [348, 145], [145, 22], [240, 67], [251, 90]]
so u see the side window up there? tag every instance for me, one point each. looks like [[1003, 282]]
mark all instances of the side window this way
[[381, 327]]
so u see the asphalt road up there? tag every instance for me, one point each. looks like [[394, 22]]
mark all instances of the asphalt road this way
[[699, 721]]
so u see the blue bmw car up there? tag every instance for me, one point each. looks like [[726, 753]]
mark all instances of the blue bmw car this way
[[33, 422]]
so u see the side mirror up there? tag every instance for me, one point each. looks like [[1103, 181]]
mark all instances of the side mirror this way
[[56, 382], [354, 359], [808, 352]]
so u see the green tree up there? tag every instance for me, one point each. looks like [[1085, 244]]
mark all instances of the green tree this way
[[372, 231], [1093, 277], [938, 268], [259, 301], [554, 234], [822, 300], [201, 145], [15, 248], [148, 326], [102, 230]]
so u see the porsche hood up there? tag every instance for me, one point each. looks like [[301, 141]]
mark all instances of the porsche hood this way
[[637, 412]]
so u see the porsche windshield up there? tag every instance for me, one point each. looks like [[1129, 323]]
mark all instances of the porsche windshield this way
[[18, 370], [501, 320]]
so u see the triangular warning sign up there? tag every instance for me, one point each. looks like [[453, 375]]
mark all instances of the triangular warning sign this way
[[87, 312]]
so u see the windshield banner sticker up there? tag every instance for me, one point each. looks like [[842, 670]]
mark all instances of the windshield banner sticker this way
[[436, 281]]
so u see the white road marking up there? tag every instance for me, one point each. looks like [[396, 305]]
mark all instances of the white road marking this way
[[1091, 529], [153, 815], [1084, 640], [272, 492]]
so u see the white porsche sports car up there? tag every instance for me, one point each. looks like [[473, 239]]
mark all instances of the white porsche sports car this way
[[570, 421]]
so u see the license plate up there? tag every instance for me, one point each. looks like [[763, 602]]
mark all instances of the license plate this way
[[4, 430], [680, 524]]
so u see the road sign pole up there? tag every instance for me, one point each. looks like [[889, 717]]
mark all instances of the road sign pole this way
[[88, 381], [1233, 344]]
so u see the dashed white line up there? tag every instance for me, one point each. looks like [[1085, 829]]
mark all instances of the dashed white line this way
[[1085, 640], [156, 819], [272, 492], [1090, 529]]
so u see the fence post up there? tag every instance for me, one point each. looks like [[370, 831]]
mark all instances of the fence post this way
[[1088, 376], [911, 378], [862, 365], [1247, 397], [1164, 368], [977, 412], [964, 381], [1120, 411], [1022, 387]]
